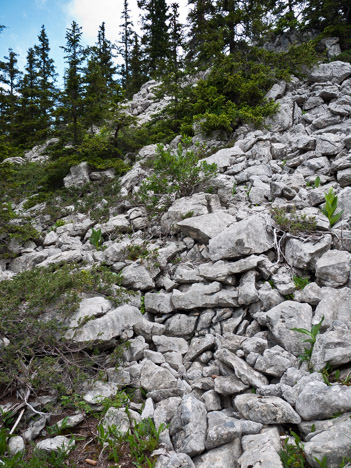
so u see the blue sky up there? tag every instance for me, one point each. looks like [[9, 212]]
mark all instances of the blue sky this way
[[23, 20]]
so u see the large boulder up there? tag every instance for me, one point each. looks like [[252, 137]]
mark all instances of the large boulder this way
[[250, 236], [78, 176]]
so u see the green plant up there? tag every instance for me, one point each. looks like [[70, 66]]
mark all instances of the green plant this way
[[234, 189], [322, 463], [331, 205], [293, 455], [96, 238], [293, 222], [300, 282], [175, 174], [306, 355], [315, 183], [34, 309]]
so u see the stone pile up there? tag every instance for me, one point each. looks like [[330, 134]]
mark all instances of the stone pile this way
[[215, 349]]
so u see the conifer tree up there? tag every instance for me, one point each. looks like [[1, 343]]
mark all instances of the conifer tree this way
[[9, 79], [100, 85], [156, 36], [203, 37], [72, 103], [137, 76], [46, 83], [27, 118], [126, 44]]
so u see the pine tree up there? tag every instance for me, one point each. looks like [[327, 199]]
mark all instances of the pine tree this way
[[9, 79], [203, 40], [27, 118], [126, 44], [72, 103], [156, 36], [137, 75], [46, 83], [101, 88]]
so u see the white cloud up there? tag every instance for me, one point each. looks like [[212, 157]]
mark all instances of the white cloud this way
[[40, 3], [89, 14]]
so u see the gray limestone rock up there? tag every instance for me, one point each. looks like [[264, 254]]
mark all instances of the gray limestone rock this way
[[221, 429], [135, 350], [99, 390], [198, 346], [189, 426], [250, 236], [198, 204], [344, 177], [16, 445], [55, 444], [166, 344], [247, 289], [334, 444], [78, 176], [158, 303], [335, 72], [203, 296], [154, 377], [333, 346], [305, 254], [242, 370], [212, 400], [174, 460], [335, 305], [111, 325], [229, 385], [225, 456], [320, 401], [205, 227], [275, 361], [282, 318], [90, 307], [35, 428], [116, 417], [186, 274], [261, 450], [266, 410], [137, 277], [181, 325], [290, 393], [333, 268]]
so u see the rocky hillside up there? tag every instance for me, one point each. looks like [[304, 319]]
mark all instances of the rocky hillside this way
[[221, 282]]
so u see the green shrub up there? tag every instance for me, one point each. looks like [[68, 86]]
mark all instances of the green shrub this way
[[293, 222], [34, 309], [175, 174]]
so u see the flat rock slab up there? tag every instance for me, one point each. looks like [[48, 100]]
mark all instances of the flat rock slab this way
[[261, 450], [189, 426], [225, 456], [335, 305], [111, 325], [250, 236], [333, 347], [242, 370], [320, 401], [203, 296], [305, 254], [266, 410], [336, 72], [56, 443], [282, 318], [203, 228], [334, 444], [333, 268], [154, 377]]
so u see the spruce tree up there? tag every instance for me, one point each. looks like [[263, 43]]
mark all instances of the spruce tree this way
[[46, 83], [100, 84], [72, 102], [156, 36], [9, 80], [126, 44], [203, 40], [137, 75], [27, 120]]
